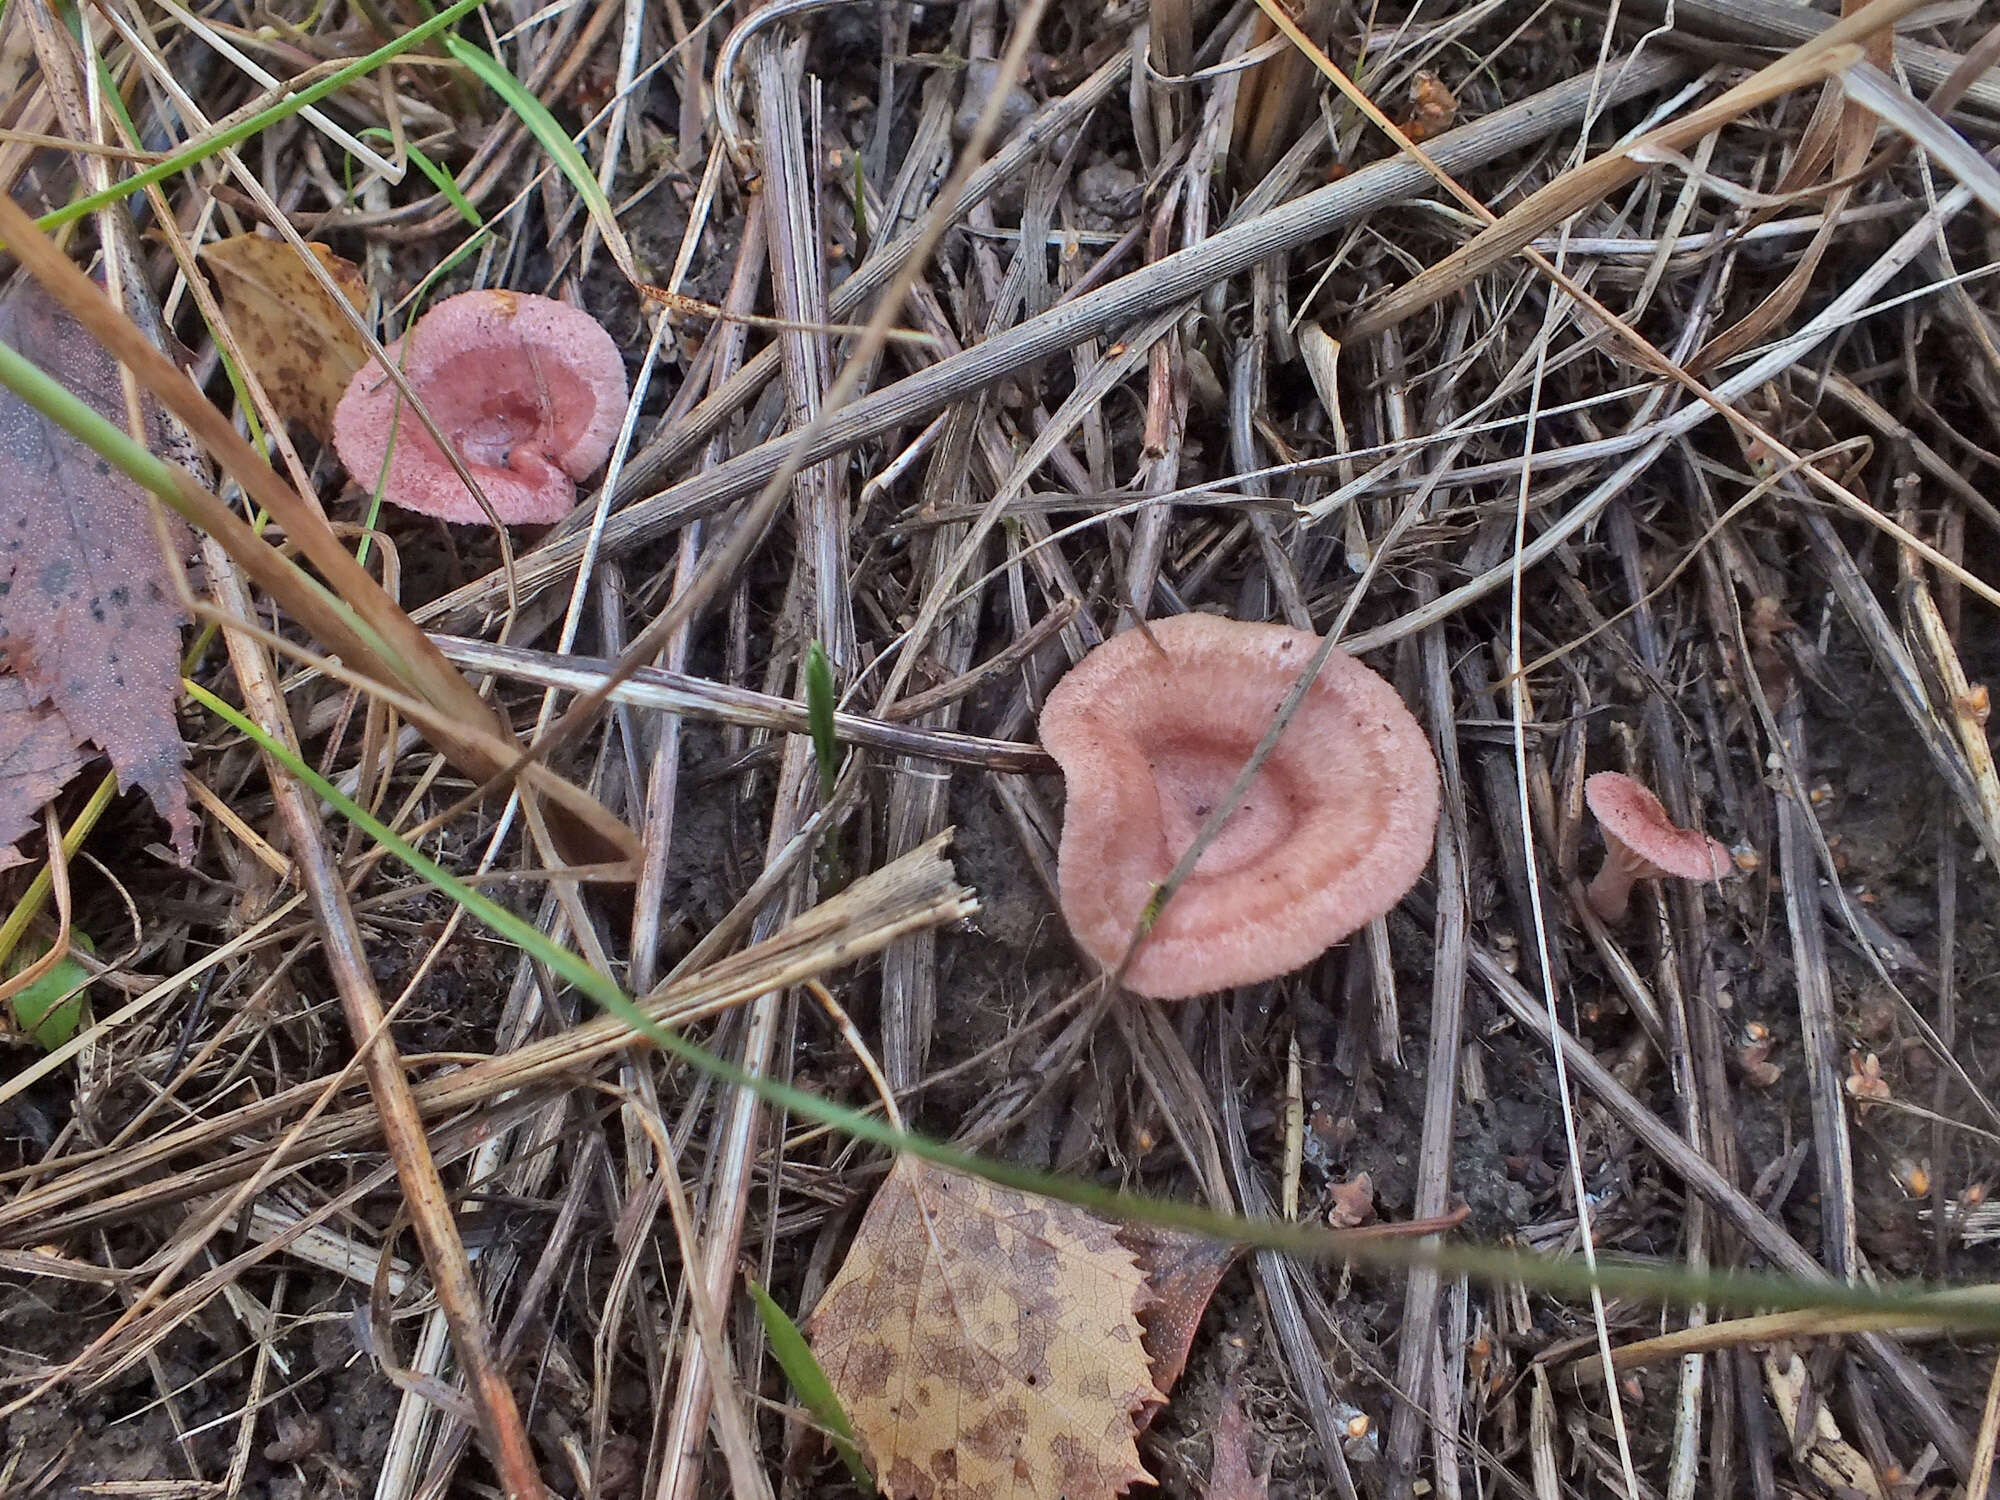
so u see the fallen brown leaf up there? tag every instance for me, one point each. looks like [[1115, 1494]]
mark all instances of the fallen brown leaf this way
[[1353, 1202], [1182, 1271], [303, 348], [37, 758], [1230, 1476], [88, 614], [985, 1341], [1432, 108]]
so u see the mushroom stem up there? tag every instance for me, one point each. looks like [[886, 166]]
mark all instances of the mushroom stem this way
[[1610, 893]]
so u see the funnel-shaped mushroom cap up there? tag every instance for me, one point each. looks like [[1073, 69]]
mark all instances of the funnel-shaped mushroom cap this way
[[530, 391], [1336, 826], [1627, 812]]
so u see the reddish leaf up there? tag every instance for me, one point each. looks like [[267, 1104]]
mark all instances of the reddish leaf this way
[[37, 759], [87, 610], [1182, 1271], [1230, 1476]]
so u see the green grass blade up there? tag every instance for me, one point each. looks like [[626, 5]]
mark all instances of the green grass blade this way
[[1909, 1305], [795, 1358], [243, 130], [548, 132], [443, 181], [819, 718]]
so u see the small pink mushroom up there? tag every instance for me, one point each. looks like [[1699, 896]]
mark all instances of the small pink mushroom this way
[[529, 390], [1642, 843], [1336, 825]]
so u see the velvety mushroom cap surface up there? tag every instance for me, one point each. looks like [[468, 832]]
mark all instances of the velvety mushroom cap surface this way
[[1627, 810], [530, 391], [1336, 826]]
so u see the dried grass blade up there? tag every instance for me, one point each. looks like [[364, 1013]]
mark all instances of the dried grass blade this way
[[1839, 135], [552, 138], [1870, 87], [1778, 23], [1834, 50], [1968, 1307], [346, 955], [658, 689], [1579, 188], [916, 892], [242, 127], [389, 171], [1115, 306]]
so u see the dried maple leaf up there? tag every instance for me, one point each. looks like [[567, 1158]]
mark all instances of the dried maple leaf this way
[[88, 616], [986, 1342], [302, 346], [37, 759]]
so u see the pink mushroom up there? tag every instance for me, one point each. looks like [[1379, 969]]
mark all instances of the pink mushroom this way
[[1336, 825], [529, 390], [1642, 843]]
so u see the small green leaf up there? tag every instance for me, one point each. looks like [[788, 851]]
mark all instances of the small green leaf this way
[[795, 1358], [57, 1006], [819, 715]]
